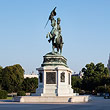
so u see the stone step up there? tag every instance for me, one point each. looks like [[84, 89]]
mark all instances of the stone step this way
[[54, 99]]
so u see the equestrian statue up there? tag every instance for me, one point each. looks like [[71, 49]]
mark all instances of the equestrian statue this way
[[55, 34]]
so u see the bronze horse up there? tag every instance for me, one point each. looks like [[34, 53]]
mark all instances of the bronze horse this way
[[58, 45]]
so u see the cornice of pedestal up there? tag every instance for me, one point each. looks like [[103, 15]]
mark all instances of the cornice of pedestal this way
[[54, 68], [54, 59]]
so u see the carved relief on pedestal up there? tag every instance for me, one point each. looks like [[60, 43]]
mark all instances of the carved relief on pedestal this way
[[50, 77], [62, 77]]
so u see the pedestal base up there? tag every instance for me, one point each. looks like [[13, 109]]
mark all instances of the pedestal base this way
[[52, 99], [56, 81], [54, 76]]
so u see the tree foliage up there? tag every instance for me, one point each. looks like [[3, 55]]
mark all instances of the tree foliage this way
[[3, 94], [1, 77], [76, 82], [21, 93], [30, 84], [93, 76], [13, 77]]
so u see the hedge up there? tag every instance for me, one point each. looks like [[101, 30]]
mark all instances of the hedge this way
[[3, 94], [21, 93]]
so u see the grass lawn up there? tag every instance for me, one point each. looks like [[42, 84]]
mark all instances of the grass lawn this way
[[8, 98]]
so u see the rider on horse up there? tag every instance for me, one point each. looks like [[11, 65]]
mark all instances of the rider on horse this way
[[55, 34]]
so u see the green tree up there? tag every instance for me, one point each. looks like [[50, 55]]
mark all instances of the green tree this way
[[93, 75], [30, 84], [1, 77], [105, 80], [100, 89], [103, 89], [13, 77], [76, 82]]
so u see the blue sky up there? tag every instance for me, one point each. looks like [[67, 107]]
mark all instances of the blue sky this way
[[85, 29]]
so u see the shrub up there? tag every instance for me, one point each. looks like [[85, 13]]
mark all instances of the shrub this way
[[88, 92], [21, 93], [3, 94], [81, 92], [108, 90], [100, 89], [77, 90]]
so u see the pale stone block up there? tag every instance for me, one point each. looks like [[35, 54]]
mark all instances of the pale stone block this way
[[74, 99]]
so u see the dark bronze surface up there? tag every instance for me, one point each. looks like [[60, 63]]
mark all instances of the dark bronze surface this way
[[50, 77]]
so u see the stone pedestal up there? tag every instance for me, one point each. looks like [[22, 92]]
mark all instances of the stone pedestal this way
[[54, 83], [54, 77]]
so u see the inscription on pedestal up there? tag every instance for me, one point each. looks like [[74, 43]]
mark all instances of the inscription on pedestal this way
[[50, 77]]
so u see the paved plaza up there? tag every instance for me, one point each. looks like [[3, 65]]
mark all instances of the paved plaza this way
[[97, 103]]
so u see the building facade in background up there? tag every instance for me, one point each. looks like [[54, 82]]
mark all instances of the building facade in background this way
[[108, 65], [32, 75]]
